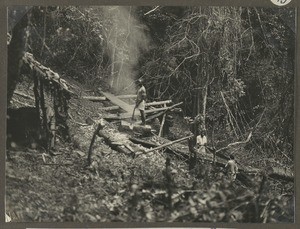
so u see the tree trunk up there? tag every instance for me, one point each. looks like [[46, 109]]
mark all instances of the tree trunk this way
[[15, 53]]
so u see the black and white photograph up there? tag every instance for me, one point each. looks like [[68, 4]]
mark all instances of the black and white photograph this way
[[142, 114]]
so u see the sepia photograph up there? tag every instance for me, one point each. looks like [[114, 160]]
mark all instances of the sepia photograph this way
[[119, 113]]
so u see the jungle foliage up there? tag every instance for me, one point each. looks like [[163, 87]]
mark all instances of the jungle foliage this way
[[233, 65]]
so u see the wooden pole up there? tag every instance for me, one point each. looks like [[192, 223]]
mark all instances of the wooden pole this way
[[169, 143], [89, 158], [162, 123]]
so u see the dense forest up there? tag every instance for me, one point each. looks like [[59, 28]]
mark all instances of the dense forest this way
[[231, 66]]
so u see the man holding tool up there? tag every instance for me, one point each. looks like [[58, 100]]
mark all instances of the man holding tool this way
[[141, 101]]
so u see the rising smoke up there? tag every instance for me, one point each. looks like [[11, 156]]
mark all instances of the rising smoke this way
[[126, 40]]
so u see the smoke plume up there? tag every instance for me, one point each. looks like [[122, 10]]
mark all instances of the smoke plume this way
[[126, 40]]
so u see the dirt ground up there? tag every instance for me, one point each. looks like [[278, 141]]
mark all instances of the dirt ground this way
[[116, 187]]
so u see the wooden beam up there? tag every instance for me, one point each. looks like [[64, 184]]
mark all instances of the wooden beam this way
[[115, 100], [94, 98], [126, 96], [155, 110], [161, 113]]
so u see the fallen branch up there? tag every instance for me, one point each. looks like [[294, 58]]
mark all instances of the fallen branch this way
[[235, 143]]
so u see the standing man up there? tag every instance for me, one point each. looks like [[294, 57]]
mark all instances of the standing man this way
[[232, 168], [201, 141], [141, 100]]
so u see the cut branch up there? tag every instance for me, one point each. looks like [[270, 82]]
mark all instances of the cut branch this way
[[150, 11], [168, 144]]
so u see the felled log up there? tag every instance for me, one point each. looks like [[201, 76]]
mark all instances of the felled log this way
[[120, 147], [95, 98], [281, 173], [158, 103], [143, 130], [111, 108]]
